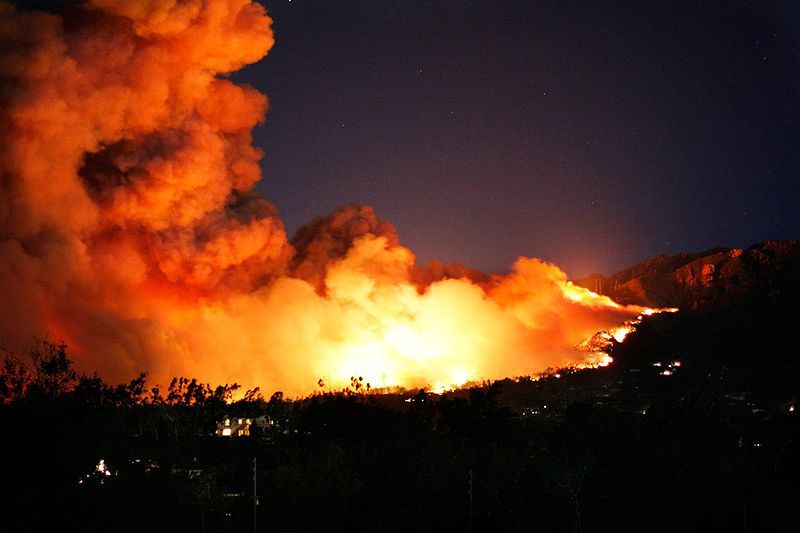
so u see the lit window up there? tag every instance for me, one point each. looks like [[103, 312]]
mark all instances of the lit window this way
[[227, 422], [226, 432], [240, 421]]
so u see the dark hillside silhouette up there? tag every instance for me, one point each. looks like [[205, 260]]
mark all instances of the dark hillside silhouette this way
[[695, 427]]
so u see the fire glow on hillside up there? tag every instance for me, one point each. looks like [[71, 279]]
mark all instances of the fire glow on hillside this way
[[130, 228]]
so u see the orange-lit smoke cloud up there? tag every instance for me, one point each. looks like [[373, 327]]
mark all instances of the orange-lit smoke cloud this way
[[130, 229]]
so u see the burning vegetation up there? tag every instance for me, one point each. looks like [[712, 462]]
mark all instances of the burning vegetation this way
[[130, 227]]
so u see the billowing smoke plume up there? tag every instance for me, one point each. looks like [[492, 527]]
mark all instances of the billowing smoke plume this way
[[129, 227]]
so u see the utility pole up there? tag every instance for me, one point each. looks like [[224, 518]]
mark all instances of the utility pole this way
[[255, 496], [470, 500]]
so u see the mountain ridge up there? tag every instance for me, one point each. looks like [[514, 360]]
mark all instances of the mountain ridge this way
[[718, 277]]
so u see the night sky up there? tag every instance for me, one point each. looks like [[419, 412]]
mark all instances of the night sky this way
[[590, 135]]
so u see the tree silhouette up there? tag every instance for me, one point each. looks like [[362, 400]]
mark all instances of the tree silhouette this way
[[15, 378]]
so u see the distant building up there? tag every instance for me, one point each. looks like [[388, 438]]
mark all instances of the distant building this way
[[234, 427], [265, 423]]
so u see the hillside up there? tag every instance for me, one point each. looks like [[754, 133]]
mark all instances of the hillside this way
[[694, 427], [716, 278]]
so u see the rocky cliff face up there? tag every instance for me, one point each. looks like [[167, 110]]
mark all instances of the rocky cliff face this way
[[717, 278]]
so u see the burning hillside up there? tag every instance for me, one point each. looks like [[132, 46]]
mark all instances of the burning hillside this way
[[129, 226]]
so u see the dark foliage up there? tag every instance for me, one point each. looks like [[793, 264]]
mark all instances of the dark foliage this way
[[711, 445]]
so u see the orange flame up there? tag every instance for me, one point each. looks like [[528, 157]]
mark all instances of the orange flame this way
[[130, 226]]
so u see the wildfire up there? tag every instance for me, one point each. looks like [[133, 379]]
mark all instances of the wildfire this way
[[620, 333], [603, 340], [131, 228]]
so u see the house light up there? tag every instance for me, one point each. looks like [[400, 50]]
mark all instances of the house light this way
[[226, 432]]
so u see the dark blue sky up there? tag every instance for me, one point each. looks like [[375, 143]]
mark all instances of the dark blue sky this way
[[591, 135]]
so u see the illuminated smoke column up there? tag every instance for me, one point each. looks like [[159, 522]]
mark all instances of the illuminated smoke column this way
[[130, 229]]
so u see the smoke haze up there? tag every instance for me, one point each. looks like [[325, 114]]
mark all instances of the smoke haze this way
[[129, 227]]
